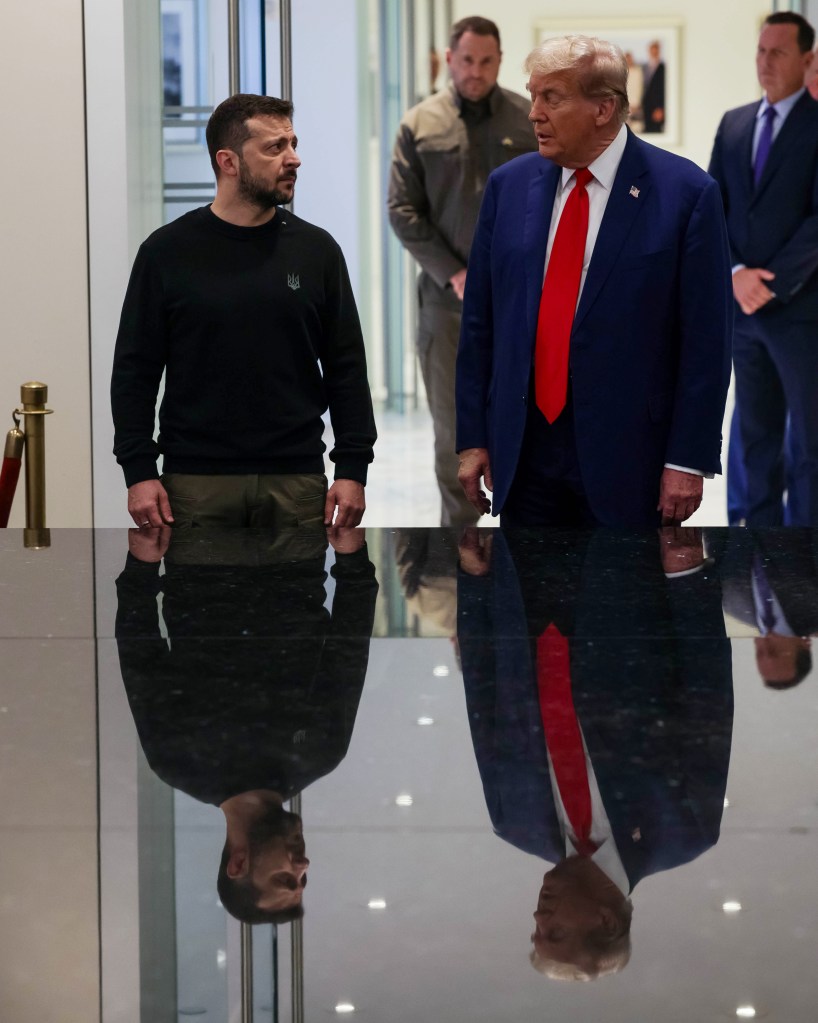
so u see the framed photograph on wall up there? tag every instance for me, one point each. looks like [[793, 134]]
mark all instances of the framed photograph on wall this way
[[652, 47]]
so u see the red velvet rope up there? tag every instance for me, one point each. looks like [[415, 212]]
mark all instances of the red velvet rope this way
[[9, 475]]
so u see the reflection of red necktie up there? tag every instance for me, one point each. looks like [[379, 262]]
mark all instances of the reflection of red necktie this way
[[562, 734], [558, 301]]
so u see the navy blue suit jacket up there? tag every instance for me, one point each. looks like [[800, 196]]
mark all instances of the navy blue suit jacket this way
[[649, 358], [774, 226]]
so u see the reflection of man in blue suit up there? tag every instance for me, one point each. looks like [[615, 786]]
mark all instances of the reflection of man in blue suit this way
[[765, 159], [642, 371], [651, 682]]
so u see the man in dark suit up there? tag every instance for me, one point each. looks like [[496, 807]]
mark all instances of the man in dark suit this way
[[650, 680], [629, 332], [765, 159], [653, 98]]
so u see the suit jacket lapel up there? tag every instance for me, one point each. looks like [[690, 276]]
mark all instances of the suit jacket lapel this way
[[790, 131], [744, 151], [541, 192], [622, 210]]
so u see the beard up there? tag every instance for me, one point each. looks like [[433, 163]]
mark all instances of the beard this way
[[257, 192]]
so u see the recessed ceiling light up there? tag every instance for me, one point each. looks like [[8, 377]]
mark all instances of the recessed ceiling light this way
[[726, 802], [732, 906], [345, 1007], [745, 1012], [404, 800], [221, 958], [377, 904], [440, 671], [426, 721]]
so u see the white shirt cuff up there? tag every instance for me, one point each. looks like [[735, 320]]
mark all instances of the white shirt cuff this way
[[693, 472]]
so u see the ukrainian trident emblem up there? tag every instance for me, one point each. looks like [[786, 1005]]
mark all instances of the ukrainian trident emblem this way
[[293, 282]]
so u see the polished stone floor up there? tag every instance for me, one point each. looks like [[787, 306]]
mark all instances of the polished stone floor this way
[[385, 714]]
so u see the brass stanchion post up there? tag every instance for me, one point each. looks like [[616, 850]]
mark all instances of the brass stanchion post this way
[[34, 396]]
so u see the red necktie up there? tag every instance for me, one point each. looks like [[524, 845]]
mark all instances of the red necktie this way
[[562, 734], [558, 302]]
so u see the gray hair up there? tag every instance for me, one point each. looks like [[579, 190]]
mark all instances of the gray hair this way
[[600, 67]]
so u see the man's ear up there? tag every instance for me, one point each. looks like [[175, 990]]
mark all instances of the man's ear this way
[[238, 863], [605, 111], [609, 923], [228, 162]]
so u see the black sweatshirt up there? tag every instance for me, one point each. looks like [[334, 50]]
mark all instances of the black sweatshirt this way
[[257, 684], [258, 333]]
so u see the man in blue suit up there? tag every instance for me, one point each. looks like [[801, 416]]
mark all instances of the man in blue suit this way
[[626, 347], [765, 159]]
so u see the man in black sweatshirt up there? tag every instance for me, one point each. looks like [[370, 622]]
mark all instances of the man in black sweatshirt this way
[[248, 311]]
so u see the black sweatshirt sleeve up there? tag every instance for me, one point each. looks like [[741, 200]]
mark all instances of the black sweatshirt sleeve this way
[[343, 361], [139, 361]]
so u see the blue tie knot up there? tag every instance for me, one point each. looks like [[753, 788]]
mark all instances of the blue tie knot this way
[[765, 141]]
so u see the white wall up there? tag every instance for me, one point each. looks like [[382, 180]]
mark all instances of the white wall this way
[[43, 261], [125, 196], [718, 48]]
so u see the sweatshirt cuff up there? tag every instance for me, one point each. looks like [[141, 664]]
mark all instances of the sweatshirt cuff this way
[[351, 471], [139, 470], [354, 564]]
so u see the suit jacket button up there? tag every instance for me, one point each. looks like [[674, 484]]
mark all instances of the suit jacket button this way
[[525, 399]]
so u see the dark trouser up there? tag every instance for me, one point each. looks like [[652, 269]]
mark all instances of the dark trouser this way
[[776, 370], [438, 336], [290, 501], [737, 478], [547, 488]]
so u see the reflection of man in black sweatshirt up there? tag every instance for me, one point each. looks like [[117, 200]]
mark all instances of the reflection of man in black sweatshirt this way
[[253, 695]]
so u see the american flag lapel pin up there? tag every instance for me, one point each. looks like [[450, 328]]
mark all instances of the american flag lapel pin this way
[[634, 192]]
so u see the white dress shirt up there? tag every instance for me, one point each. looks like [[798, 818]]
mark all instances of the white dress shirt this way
[[607, 856], [604, 170]]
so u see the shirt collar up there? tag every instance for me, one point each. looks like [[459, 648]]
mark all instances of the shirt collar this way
[[493, 98], [782, 107], [606, 165]]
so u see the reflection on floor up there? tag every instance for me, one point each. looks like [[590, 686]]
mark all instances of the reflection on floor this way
[[430, 839]]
